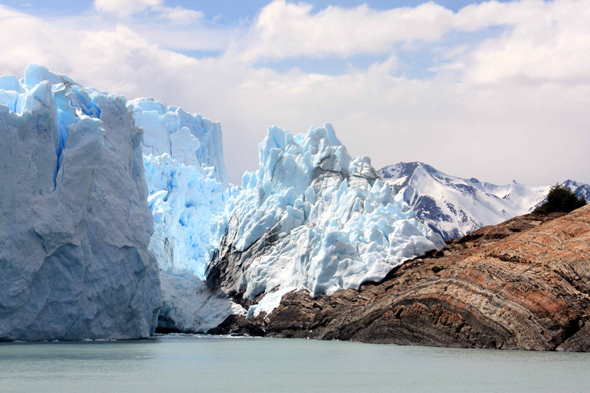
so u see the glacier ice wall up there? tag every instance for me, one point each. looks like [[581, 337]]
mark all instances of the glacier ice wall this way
[[187, 185], [186, 178], [74, 220], [311, 217], [188, 138], [182, 201]]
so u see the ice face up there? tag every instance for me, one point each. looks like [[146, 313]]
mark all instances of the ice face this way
[[188, 138], [311, 217], [74, 219], [187, 185], [182, 201]]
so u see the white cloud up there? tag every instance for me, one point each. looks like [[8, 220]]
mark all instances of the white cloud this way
[[287, 30], [125, 7], [542, 40], [466, 121], [548, 42], [178, 15]]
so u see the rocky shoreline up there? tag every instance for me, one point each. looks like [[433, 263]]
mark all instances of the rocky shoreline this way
[[522, 284]]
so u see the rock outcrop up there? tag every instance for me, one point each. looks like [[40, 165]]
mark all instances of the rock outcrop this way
[[522, 284]]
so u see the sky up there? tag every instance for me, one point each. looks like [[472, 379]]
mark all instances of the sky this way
[[499, 91]]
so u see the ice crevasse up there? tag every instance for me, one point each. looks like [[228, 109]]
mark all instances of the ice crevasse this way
[[74, 220], [310, 218]]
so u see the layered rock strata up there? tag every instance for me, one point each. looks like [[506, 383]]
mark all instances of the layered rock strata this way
[[522, 284]]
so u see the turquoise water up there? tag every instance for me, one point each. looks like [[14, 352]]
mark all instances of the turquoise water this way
[[240, 365]]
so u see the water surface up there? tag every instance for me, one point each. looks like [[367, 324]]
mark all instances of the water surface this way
[[241, 365]]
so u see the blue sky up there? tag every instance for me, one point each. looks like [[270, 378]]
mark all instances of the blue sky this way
[[230, 10], [476, 89]]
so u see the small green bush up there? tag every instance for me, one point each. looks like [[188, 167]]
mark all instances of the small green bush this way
[[561, 199]]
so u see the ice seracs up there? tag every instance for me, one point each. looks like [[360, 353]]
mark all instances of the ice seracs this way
[[74, 219], [188, 138], [182, 201], [311, 217]]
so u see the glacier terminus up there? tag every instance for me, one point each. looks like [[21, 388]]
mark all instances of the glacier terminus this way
[[118, 217]]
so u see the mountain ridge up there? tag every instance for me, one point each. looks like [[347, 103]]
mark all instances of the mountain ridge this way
[[455, 206]]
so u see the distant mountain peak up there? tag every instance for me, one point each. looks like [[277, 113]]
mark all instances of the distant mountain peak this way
[[454, 206]]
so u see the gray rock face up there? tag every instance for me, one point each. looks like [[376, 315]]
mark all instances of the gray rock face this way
[[74, 221]]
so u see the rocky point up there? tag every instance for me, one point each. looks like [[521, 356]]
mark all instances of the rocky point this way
[[522, 284]]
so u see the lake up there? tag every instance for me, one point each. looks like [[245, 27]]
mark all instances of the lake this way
[[179, 363]]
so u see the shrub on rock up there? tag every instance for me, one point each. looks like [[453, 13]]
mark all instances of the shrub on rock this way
[[561, 198]]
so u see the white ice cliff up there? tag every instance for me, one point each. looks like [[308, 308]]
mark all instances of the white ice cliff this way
[[311, 217], [187, 185], [98, 240], [74, 220], [188, 138]]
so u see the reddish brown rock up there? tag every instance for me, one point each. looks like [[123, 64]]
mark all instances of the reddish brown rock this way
[[522, 284]]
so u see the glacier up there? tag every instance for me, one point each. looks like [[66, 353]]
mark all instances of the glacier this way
[[118, 217], [182, 201], [188, 138], [310, 217], [187, 185], [75, 223]]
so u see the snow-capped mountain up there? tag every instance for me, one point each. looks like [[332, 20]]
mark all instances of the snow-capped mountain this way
[[454, 206], [581, 190]]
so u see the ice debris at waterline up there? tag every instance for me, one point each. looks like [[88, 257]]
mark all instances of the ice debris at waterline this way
[[75, 223], [187, 181], [189, 305], [311, 217]]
